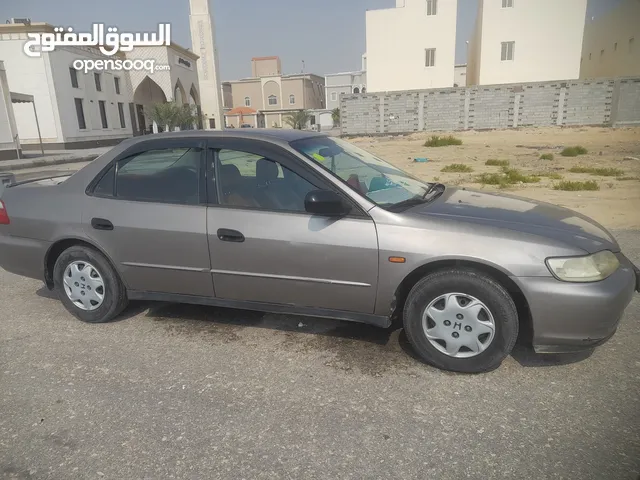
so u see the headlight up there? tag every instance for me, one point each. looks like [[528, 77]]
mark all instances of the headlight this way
[[584, 269]]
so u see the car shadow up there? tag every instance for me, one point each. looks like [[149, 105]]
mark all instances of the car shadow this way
[[197, 319], [134, 308], [208, 315]]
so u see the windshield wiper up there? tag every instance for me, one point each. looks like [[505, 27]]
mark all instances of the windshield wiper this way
[[434, 187], [409, 202]]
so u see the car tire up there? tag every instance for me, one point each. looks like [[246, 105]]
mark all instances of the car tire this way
[[96, 269], [449, 290]]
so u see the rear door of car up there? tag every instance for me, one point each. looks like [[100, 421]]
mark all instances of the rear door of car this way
[[266, 248], [147, 211]]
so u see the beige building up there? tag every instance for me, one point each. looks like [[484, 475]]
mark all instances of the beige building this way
[[611, 43], [264, 99]]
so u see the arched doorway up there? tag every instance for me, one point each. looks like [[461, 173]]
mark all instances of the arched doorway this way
[[147, 93], [194, 99], [179, 95], [356, 90]]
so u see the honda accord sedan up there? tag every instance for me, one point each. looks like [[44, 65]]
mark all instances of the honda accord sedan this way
[[302, 223]]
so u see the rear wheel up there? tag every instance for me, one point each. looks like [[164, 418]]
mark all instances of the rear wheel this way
[[461, 320], [88, 286]]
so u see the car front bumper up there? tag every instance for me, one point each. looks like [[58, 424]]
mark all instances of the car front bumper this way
[[571, 317]]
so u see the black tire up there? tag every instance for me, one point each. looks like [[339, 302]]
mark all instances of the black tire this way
[[469, 282], [115, 293]]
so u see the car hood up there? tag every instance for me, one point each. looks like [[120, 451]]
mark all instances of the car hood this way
[[520, 214]]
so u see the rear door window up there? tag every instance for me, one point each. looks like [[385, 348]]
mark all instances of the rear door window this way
[[170, 175]]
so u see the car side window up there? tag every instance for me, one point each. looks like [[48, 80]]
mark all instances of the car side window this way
[[104, 187], [170, 175], [254, 181]]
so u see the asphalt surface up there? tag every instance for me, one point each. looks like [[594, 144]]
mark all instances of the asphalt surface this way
[[172, 391]]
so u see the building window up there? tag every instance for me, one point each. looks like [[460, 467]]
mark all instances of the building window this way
[[116, 82], [247, 102], [508, 50], [432, 7], [507, 3], [103, 113], [364, 90], [430, 57], [292, 99], [632, 40], [273, 100], [74, 77], [82, 125], [96, 77], [334, 96], [121, 113], [356, 90]]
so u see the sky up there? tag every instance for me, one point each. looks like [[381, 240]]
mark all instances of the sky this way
[[327, 35]]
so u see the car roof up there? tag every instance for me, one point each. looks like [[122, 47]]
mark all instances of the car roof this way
[[272, 134]]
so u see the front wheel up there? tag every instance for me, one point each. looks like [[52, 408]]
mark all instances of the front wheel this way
[[88, 286], [461, 320]]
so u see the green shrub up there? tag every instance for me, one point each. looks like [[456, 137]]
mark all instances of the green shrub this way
[[436, 141], [510, 176], [573, 151], [492, 162], [553, 175], [601, 171], [623, 179], [576, 186], [546, 156], [457, 167]]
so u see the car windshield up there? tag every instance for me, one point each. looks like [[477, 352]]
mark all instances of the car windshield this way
[[379, 181]]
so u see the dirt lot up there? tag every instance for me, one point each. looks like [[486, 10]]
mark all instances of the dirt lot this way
[[616, 204]]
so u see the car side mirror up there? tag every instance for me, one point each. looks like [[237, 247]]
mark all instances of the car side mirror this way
[[325, 202]]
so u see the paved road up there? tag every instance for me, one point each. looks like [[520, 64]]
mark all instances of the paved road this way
[[192, 392]]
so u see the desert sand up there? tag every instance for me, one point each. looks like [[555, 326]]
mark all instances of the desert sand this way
[[616, 205]]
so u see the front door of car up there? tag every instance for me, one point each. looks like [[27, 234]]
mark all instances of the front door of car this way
[[266, 248], [148, 213]]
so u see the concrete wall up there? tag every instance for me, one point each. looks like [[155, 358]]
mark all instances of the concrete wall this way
[[396, 42], [611, 45], [460, 76], [577, 102], [547, 35], [265, 66]]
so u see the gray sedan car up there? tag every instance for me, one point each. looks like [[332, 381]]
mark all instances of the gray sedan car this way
[[302, 223]]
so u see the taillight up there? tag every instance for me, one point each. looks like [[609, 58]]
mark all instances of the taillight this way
[[4, 216]]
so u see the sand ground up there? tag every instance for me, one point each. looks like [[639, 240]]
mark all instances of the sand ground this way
[[615, 205]]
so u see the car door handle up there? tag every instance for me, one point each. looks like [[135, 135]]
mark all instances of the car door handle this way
[[101, 224], [227, 235]]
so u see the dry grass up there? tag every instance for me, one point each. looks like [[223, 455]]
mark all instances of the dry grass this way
[[437, 141], [458, 168], [600, 171], [492, 162], [576, 186], [509, 176], [547, 156], [573, 151], [552, 175]]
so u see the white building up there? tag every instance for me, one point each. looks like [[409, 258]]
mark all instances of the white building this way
[[9, 142], [611, 46], [75, 110], [526, 41], [411, 46], [78, 109], [336, 84]]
